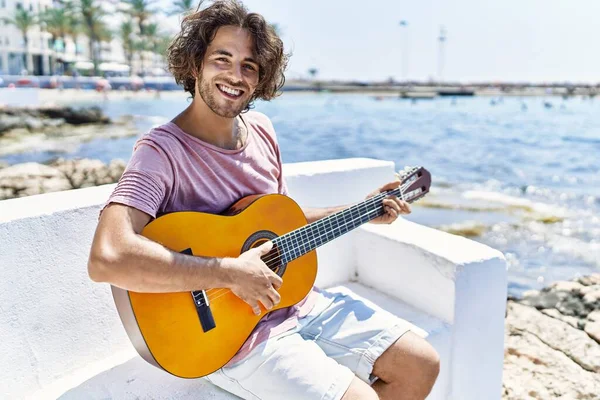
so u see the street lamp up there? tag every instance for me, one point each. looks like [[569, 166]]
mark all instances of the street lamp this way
[[404, 25], [441, 43]]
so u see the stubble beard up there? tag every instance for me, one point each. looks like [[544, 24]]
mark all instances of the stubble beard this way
[[209, 94]]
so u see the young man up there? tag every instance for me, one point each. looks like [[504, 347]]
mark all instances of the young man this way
[[330, 345]]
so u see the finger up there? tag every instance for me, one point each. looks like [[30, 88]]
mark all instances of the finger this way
[[266, 302], [405, 207], [394, 203], [254, 306], [274, 296], [391, 212], [390, 186], [265, 247], [276, 281]]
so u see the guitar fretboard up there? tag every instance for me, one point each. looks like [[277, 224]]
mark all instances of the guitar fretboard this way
[[307, 238]]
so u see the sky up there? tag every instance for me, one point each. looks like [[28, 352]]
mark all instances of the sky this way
[[486, 40]]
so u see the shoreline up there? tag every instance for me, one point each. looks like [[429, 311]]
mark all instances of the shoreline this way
[[44, 96]]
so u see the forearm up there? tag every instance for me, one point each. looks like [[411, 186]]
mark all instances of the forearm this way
[[315, 214], [142, 265]]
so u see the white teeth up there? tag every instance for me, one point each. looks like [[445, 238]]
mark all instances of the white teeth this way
[[230, 91]]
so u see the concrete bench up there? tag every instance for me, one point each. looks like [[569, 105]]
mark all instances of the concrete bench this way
[[61, 337]]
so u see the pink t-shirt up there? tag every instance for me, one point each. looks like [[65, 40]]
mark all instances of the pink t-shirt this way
[[171, 170]]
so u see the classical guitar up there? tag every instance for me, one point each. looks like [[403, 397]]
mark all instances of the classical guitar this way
[[192, 334]]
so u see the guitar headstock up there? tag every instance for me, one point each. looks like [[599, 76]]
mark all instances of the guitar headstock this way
[[416, 182]]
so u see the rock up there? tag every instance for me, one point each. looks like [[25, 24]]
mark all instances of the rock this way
[[594, 316], [560, 336], [588, 289], [592, 299], [544, 299], [593, 279], [534, 370], [32, 178], [8, 122], [29, 179], [33, 124], [554, 313], [566, 286], [552, 342], [85, 173], [91, 115], [36, 119], [593, 330]]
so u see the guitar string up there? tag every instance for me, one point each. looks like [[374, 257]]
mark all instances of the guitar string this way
[[371, 201], [217, 293], [321, 224], [224, 291]]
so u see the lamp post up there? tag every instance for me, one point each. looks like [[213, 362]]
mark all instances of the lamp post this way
[[404, 25], [441, 45]]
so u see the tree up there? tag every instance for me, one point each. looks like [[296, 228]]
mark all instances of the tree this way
[[58, 22], [184, 7], [141, 11], [128, 42], [92, 16], [24, 21]]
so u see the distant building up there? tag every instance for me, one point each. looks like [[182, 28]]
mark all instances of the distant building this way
[[68, 55], [12, 45]]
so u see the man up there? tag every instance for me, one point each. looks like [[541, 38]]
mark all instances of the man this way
[[205, 159]]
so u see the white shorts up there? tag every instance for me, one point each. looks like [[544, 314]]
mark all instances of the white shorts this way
[[340, 338]]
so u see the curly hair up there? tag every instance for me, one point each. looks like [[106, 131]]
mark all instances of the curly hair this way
[[187, 50]]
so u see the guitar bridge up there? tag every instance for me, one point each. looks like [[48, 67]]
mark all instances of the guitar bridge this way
[[202, 304]]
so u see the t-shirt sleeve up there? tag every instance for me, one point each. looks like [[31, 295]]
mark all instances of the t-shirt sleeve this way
[[147, 180]]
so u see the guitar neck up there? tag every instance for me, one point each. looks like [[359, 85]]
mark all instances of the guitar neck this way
[[309, 237]]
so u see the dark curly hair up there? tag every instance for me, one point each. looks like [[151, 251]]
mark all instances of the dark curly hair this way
[[187, 50]]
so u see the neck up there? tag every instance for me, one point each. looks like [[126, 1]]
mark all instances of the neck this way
[[200, 121], [309, 237]]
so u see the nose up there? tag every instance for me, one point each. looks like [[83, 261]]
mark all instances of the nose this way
[[236, 74]]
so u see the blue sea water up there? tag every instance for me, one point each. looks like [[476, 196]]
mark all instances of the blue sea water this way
[[514, 174]]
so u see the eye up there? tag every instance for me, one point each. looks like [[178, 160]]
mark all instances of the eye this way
[[222, 59], [249, 67]]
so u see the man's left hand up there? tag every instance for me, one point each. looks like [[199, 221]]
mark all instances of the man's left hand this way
[[392, 205]]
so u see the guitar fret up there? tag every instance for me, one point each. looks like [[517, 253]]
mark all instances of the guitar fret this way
[[303, 240]]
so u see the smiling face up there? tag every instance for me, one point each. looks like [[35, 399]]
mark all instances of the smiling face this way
[[229, 73]]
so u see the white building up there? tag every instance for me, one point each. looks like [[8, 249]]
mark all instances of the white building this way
[[12, 46], [38, 60]]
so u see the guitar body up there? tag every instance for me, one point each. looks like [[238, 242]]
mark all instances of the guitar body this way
[[166, 329]]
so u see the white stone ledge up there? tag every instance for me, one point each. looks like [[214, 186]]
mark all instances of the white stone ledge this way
[[61, 334]]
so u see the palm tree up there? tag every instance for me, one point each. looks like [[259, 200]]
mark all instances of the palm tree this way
[[140, 10], [184, 7], [57, 22], [24, 21], [92, 16], [127, 40]]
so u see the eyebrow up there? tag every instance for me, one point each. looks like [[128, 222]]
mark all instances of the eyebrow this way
[[226, 53]]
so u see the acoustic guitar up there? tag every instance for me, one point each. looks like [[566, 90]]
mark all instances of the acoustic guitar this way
[[192, 334]]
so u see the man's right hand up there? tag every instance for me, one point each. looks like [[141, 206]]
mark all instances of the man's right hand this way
[[252, 281]]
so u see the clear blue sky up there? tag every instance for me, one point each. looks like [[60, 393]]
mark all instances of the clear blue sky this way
[[487, 40]]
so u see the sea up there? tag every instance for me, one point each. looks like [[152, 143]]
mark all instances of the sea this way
[[520, 174]]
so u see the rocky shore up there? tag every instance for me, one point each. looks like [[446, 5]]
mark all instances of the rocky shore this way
[[28, 179], [52, 128], [552, 342]]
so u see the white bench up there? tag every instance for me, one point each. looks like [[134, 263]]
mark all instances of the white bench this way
[[61, 337]]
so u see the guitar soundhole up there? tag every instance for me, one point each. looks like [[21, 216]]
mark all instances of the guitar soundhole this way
[[274, 258]]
